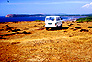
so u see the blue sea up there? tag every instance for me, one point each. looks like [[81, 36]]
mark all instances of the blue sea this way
[[15, 19]]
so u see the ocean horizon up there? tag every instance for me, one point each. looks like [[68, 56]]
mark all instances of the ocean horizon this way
[[16, 19]]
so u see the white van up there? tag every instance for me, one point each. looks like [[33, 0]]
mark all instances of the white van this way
[[53, 21]]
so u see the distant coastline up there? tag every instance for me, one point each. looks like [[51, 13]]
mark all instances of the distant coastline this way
[[23, 15], [43, 15]]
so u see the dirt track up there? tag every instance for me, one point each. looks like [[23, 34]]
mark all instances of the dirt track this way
[[30, 41]]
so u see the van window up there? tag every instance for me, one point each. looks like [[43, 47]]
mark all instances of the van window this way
[[50, 18], [58, 18]]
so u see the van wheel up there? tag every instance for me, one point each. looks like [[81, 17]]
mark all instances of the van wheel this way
[[47, 28], [57, 27], [61, 26]]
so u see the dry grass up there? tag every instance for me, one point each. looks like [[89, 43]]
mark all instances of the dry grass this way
[[37, 44]]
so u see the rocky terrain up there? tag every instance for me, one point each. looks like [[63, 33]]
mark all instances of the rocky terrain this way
[[29, 41]]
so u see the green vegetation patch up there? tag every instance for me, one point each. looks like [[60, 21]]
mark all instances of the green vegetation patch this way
[[88, 19], [37, 20]]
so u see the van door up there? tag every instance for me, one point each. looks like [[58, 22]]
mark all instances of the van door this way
[[58, 21]]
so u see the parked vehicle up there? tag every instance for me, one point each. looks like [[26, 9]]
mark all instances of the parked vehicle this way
[[53, 21]]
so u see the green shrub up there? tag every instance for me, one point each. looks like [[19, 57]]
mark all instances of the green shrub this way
[[37, 20], [88, 19]]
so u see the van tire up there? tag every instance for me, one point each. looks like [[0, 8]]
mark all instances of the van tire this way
[[47, 28], [61, 26]]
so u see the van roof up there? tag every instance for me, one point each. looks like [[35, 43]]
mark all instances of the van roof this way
[[52, 16]]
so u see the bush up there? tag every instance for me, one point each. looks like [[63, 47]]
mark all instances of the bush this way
[[88, 19], [37, 20]]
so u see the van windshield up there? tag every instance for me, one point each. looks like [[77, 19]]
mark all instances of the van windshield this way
[[50, 18]]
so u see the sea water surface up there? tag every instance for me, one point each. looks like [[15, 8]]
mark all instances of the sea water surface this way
[[15, 19]]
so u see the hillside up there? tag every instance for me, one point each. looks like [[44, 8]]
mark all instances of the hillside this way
[[60, 14]]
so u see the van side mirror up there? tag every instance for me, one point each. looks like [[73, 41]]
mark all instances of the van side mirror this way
[[61, 18]]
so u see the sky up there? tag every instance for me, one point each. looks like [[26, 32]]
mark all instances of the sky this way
[[45, 7]]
